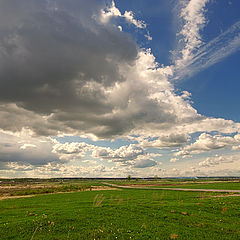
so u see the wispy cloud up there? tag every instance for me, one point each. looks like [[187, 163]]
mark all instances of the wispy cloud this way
[[192, 54], [216, 50], [193, 18]]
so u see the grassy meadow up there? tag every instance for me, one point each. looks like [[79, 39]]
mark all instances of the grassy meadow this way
[[231, 184], [87, 212]]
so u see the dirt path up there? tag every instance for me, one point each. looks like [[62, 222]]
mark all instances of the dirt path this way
[[10, 197], [174, 189], [94, 188]]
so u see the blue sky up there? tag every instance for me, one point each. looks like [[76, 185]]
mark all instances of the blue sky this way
[[214, 90], [112, 88]]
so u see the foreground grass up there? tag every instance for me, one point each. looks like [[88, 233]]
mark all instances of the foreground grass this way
[[125, 214]]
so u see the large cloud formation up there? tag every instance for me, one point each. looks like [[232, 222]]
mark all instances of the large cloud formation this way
[[71, 72], [59, 60], [67, 67], [67, 70]]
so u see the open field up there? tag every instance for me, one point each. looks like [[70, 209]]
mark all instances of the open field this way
[[118, 214], [11, 188], [231, 184]]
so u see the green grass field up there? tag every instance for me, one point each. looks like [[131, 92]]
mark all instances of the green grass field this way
[[198, 184], [121, 214]]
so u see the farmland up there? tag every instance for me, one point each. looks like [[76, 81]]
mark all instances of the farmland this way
[[86, 209]]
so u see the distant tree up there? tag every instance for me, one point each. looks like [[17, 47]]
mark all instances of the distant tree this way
[[155, 177], [129, 177]]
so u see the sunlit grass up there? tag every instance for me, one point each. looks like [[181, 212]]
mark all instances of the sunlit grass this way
[[125, 214]]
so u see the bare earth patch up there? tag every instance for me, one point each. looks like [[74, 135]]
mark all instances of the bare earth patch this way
[[23, 186], [94, 188], [227, 195], [100, 188], [10, 197]]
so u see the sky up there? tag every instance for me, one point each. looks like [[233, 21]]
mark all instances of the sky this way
[[103, 88]]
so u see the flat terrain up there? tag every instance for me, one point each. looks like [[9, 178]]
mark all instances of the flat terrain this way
[[231, 184], [156, 187], [92, 211]]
